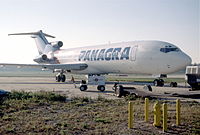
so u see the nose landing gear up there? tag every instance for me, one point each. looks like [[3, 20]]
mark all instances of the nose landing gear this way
[[60, 77], [158, 82]]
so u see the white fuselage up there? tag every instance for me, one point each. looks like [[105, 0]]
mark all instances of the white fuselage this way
[[140, 57]]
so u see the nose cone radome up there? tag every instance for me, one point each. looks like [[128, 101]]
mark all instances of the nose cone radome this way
[[178, 61], [188, 60], [184, 60]]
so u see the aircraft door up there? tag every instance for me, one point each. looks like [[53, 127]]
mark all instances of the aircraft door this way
[[133, 53]]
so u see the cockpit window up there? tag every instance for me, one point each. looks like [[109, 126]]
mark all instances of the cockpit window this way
[[167, 49]]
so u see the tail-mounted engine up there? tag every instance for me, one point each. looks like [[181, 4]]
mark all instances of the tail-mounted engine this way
[[48, 53], [57, 45], [44, 58]]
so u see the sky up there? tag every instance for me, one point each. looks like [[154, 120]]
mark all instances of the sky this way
[[91, 22]]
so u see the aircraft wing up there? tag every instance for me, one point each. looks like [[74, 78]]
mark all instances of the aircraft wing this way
[[73, 66]]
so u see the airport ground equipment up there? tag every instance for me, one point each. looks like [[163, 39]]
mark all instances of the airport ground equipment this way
[[98, 80], [121, 90], [193, 77], [83, 85]]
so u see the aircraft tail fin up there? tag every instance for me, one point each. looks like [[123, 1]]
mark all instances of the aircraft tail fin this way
[[40, 39]]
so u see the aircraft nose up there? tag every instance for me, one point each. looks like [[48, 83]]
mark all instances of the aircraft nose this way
[[185, 60], [179, 61], [188, 60]]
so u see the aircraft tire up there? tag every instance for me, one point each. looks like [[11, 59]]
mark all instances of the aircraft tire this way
[[63, 78], [173, 84], [161, 83], [101, 88], [58, 78], [83, 87], [158, 82]]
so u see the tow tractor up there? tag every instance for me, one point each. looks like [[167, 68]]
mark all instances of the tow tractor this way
[[92, 79], [121, 90], [193, 77]]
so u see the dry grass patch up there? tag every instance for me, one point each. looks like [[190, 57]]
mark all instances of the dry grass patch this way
[[49, 113]]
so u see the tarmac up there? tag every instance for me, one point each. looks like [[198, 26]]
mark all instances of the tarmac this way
[[34, 84]]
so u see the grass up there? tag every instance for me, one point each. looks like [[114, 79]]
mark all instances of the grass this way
[[49, 113], [48, 96]]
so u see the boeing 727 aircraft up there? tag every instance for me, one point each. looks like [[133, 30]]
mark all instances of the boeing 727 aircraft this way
[[138, 57]]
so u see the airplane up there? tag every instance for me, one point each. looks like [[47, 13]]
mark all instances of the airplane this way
[[149, 57]]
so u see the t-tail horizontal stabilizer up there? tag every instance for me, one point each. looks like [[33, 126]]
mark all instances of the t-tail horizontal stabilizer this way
[[33, 33], [40, 39]]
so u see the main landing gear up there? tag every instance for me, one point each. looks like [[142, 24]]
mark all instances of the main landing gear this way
[[60, 77], [93, 80], [158, 82]]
